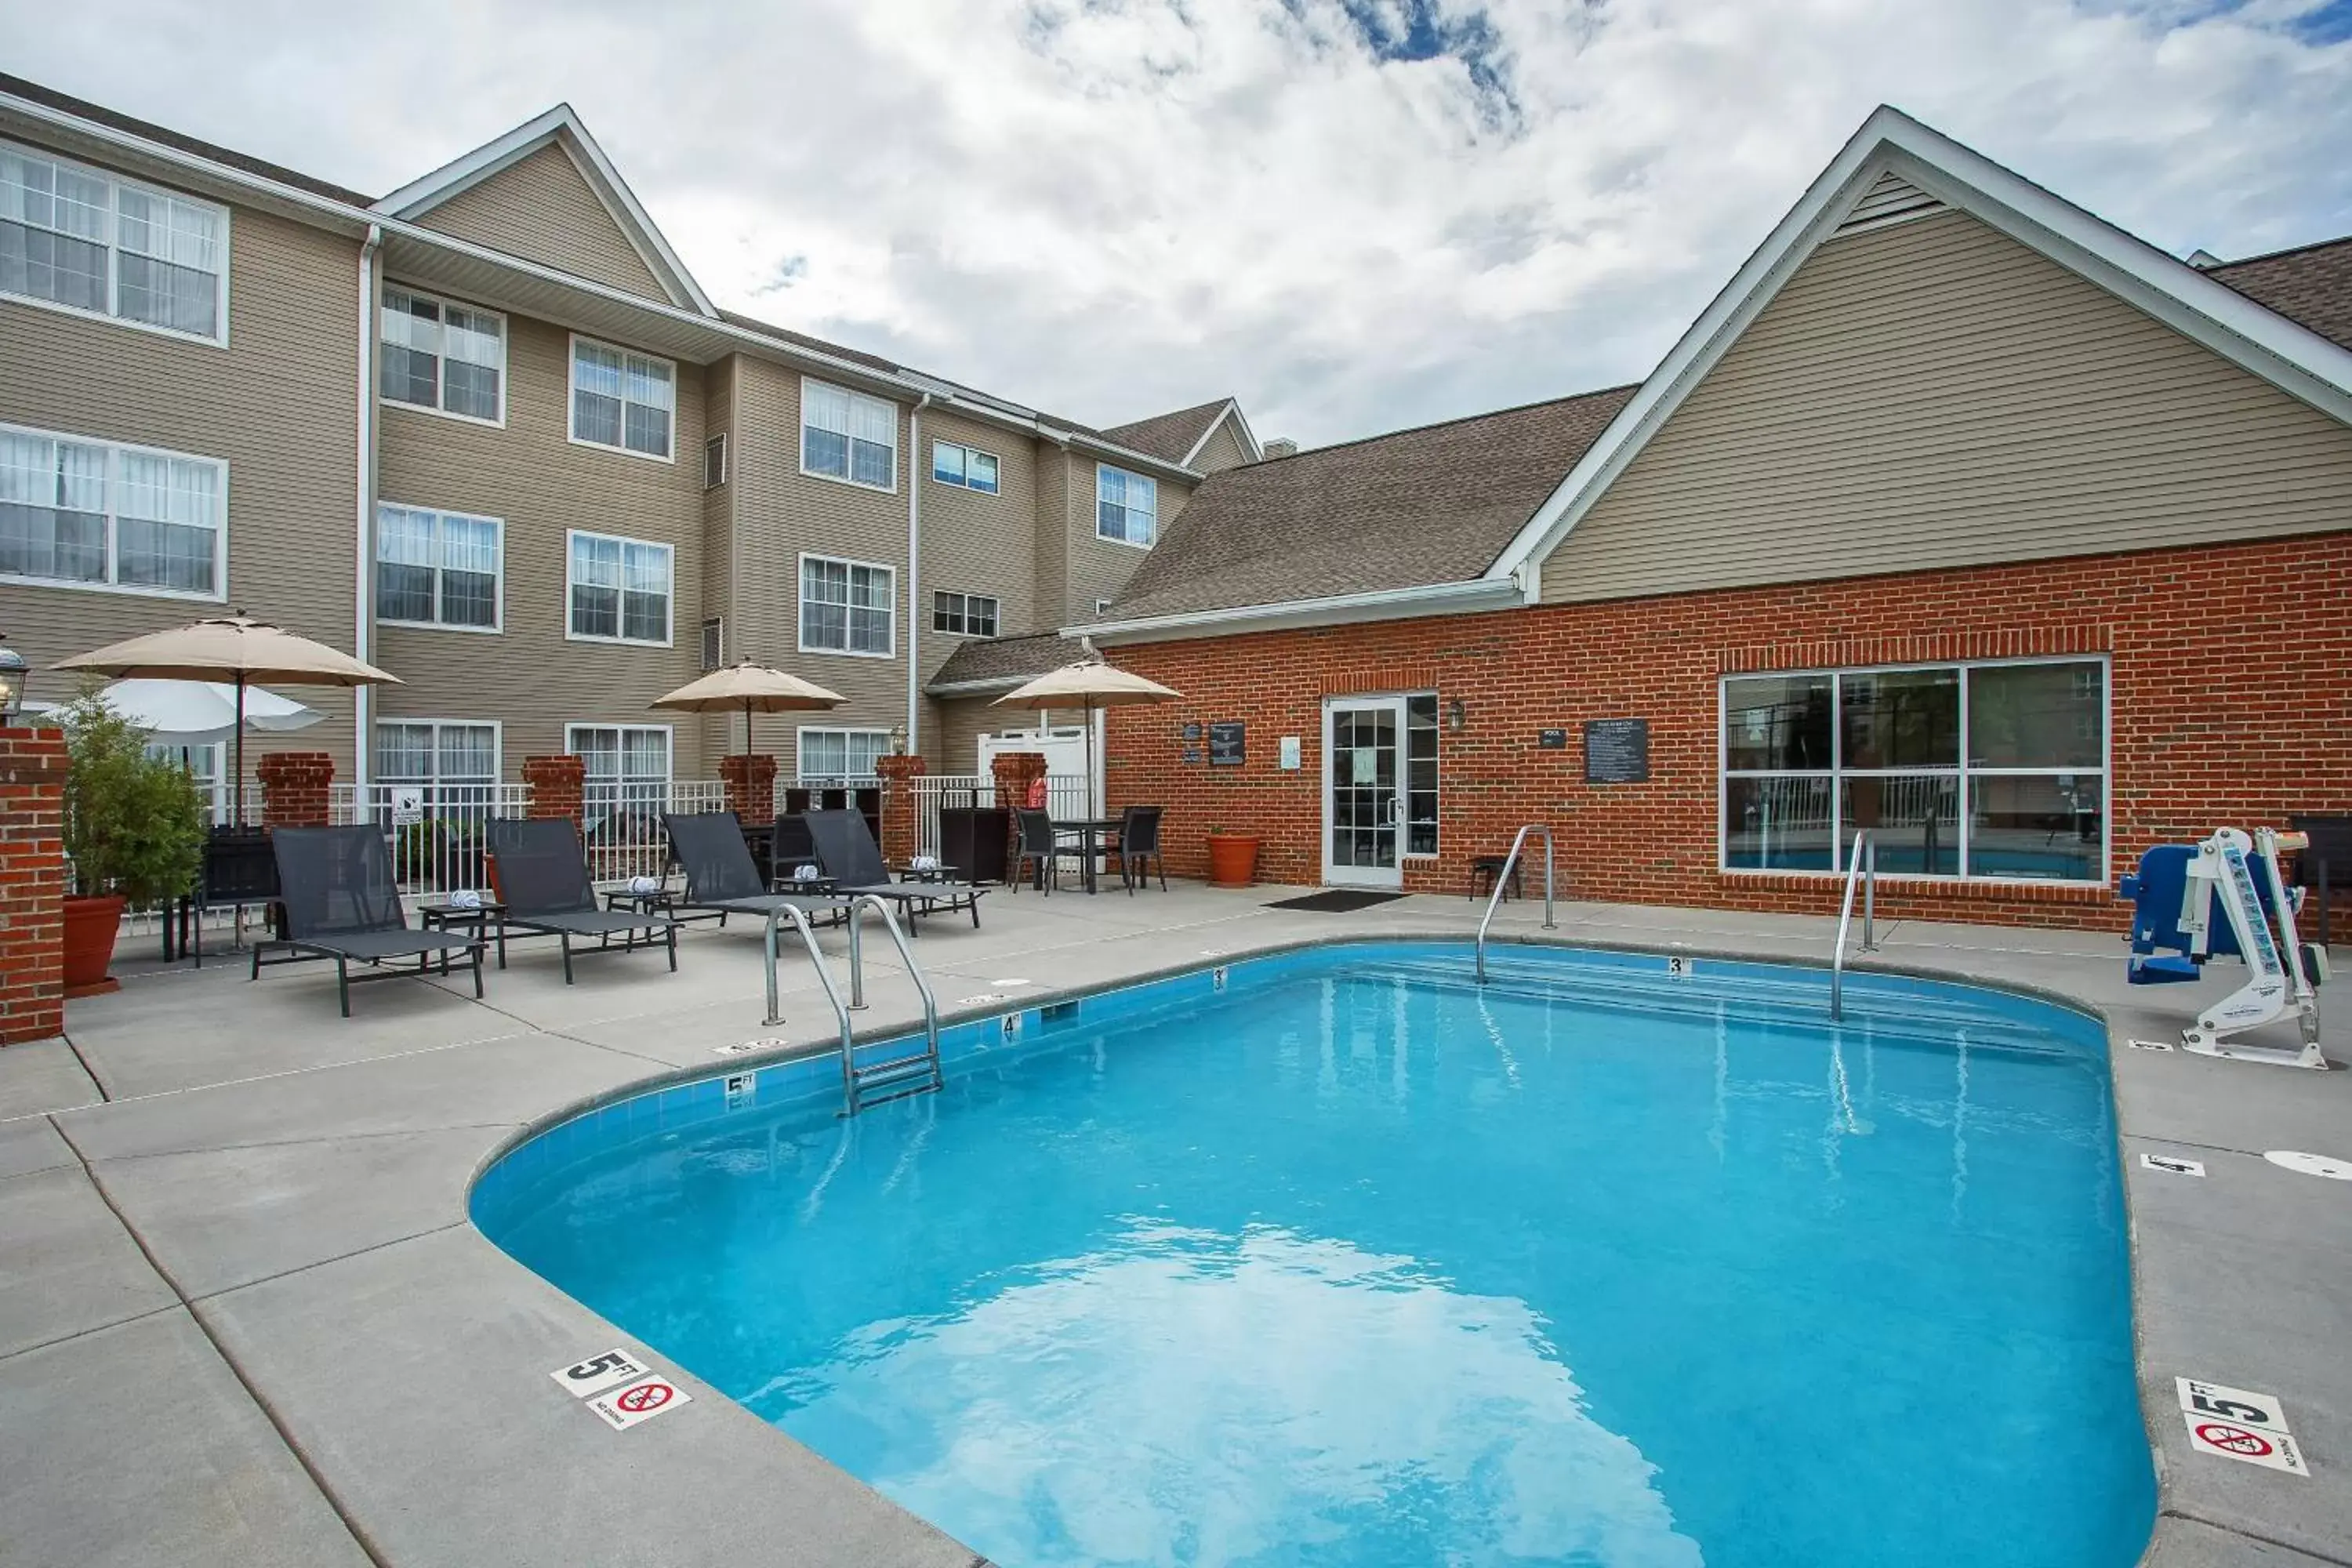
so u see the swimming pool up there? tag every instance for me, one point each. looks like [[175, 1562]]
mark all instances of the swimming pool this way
[[1335, 1257]]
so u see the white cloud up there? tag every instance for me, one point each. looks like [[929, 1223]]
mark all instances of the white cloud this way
[[1111, 207]]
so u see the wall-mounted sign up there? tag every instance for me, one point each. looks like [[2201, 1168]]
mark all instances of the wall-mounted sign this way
[[1190, 735], [1225, 744], [1552, 739], [407, 804], [1189, 754], [1617, 751], [1289, 753]]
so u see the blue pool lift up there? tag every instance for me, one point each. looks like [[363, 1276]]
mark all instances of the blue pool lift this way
[[2174, 894]]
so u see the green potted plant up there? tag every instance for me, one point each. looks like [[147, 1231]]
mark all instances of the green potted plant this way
[[134, 832]]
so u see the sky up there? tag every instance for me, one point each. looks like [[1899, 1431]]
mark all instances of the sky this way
[[1353, 215]]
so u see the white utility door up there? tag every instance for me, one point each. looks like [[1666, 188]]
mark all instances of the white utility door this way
[[1064, 750], [1363, 791]]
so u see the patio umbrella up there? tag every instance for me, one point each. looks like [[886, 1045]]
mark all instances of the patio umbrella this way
[[199, 712], [236, 649], [753, 687], [1089, 684]]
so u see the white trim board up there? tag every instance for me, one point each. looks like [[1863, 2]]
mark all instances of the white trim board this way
[[2292, 358], [1233, 411], [560, 125]]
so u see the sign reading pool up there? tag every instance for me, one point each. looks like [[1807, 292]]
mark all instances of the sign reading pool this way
[[1350, 1263]]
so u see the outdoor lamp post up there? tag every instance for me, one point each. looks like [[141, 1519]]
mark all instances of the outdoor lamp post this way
[[13, 672], [897, 739]]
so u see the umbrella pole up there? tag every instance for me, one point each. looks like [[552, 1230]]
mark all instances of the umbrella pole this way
[[237, 782]]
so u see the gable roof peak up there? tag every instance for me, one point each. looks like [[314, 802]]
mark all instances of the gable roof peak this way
[[560, 126]]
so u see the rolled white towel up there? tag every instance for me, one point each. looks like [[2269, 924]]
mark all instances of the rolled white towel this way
[[644, 885], [465, 898], [806, 874], [925, 863]]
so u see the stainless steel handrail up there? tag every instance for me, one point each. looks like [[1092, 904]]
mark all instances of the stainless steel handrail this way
[[907, 956], [1503, 880], [1854, 874], [824, 977]]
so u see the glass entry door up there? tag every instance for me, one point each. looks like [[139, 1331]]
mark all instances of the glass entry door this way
[[1363, 780]]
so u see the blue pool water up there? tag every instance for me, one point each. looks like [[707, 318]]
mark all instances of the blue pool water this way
[[1336, 1259]]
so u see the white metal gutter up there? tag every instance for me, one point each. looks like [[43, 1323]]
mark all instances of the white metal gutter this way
[[1475, 596], [914, 575], [363, 606]]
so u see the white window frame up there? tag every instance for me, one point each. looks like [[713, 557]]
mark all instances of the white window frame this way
[[969, 452], [996, 613], [441, 382], [800, 747], [114, 520], [669, 609], [572, 402], [116, 184], [496, 626], [854, 396], [1102, 468], [669, 732], [1960, 774], [800, 606], [498, 749]]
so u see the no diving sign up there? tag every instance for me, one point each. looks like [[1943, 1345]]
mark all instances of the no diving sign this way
[[2239, 1424], [640, 1401]]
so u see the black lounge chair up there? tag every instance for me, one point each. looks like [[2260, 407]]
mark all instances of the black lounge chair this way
[[543, 882], [336, 887], [721, 875], [853, 861]]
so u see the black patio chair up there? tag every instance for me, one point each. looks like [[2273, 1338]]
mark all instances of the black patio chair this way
[[341, 901], [543, 882], [721, 875], [1138, 846], [847, 852], [1042, 850], [789, 848]]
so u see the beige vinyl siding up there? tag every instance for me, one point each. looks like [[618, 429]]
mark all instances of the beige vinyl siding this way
[[957, 725], [532, 677], [280, 406], [1934, 395], [1223, 449], [977, 543], [780, 512], [541, 208], [1097, 568], [1055, 484]]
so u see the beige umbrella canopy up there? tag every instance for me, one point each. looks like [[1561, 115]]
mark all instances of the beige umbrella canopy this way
[[236, 648], [1088, 684], [753, 687]]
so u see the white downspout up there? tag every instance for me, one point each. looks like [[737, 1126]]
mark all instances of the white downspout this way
[[362, 608], [915, 471]]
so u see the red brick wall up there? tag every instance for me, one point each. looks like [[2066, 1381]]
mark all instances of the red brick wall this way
[[32, 884], [2231, 693], [296, 788]]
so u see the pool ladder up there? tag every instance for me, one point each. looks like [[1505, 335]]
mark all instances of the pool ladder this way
[[1861, 866], [1503, 882], [874, 1083]]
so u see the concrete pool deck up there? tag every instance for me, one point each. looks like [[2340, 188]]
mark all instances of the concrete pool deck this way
[[243, 1319]]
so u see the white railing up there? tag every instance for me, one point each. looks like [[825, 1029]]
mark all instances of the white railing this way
[[438, 833], [1066, 800], [622, 822]]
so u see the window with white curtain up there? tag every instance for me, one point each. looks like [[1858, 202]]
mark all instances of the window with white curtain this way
[[622, 399], [848, 436], [847, 606], [841, 753], [86, 240], [968, 467], [621, 753], [437, 568], [439, 354], [456, 756], [1126, 506], [99, 515], [620, 589]]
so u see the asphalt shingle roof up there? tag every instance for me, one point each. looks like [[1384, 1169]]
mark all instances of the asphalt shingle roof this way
[[2311, 284], [1168, 437], [1435, 504], [1011, 659], [49, 97]]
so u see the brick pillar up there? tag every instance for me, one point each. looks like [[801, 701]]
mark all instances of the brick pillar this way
[[295, 786], [1015, 771], [898, 776], [32, 885], [557, 788], [751, 783]]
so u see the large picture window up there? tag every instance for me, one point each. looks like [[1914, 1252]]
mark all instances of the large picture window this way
[[1994, 770], [440, 355], [841, 753], [437, 568], [619, 589], [84, 240], [95, 515], [848, 436], [847, 606], [458, 762], [622, 399], [613, 755]]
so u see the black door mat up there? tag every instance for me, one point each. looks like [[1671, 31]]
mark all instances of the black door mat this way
[[1335, 901]]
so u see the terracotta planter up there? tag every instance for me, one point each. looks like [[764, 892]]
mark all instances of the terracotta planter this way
[[1232, 859], [90, 925]]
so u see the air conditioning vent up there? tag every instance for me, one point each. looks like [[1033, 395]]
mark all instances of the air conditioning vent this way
[[714, 643], [714, 461], [1890, 199]]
